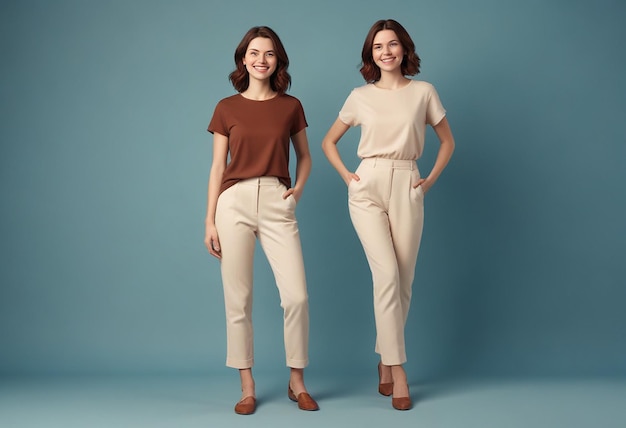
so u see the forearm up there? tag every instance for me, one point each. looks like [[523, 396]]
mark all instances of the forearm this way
[[215, 182], [446, 149], [303, 170], [334, 158], [329, 147]]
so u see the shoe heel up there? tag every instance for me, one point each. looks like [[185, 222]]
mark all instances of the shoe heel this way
[[385, 389]]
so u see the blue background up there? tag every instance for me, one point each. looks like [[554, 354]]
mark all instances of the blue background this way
[[104, 159]]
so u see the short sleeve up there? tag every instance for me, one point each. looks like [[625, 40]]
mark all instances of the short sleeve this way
[[348, 113], [217, 123], [299, 120], [434, 111]]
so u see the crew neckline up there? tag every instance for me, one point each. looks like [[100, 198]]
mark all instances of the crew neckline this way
[[394, 89], [259, 101]]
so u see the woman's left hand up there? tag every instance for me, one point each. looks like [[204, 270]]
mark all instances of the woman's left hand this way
[[292, 191], [425, 183]]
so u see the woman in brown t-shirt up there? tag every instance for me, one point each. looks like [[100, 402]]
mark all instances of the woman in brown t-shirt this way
[[251, 196]]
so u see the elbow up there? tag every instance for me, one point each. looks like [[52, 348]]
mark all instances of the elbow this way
[[306, 159], [217, 171], [449, 144], [326, 145]]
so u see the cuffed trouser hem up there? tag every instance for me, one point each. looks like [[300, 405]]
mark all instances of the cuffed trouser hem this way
[[239, 364], [297, 364], [392, 361]]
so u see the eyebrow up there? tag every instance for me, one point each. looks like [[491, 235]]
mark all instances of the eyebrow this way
[[390, 41], [256, 50]]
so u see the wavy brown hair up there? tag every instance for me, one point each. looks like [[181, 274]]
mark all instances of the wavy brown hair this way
[[280, 80], [411, 61]]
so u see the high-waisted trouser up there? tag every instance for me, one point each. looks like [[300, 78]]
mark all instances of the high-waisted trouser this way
[[388, 215], [252, 209]]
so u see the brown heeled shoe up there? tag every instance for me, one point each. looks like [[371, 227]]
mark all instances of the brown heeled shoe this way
[[385, 389], [304, 400], [246, 406], [402, 403]]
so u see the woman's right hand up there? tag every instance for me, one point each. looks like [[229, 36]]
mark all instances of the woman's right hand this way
[[349, 177], [212, 241]]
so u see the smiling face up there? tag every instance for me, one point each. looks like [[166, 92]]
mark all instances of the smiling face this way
[[260, 59], [387, 51]]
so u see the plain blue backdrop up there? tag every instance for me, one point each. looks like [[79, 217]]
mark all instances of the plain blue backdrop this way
[[105, 157]]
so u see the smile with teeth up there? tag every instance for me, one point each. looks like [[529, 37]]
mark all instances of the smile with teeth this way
[[261, 67], [386, 60]]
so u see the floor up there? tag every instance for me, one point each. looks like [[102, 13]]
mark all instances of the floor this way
[[205, 401]]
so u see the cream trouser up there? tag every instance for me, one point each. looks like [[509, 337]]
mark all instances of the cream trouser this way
[[252, 209], [388, 215]]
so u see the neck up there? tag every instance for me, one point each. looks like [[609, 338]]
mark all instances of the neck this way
[[259, 91], [391, 81]]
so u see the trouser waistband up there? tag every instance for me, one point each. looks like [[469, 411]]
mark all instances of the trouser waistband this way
[[390, 163], [260, 181]]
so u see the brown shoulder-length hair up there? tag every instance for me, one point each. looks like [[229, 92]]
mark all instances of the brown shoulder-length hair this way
[[279, 80], [410, 62]]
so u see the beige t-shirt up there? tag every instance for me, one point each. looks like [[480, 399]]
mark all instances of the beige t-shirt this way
[[393, 121]]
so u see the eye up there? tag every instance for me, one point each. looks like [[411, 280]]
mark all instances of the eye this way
[[270, 54]]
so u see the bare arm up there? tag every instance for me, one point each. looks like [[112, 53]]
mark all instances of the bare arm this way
[[220, 155], [446, 148], [329, 146], [303, 166]]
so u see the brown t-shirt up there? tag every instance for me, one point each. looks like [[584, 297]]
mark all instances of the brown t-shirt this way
[[258, 136]]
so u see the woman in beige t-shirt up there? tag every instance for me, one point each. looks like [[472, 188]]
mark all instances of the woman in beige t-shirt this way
[[386, 192]]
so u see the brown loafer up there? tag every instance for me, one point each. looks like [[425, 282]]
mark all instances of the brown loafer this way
[[246, 406], [304, 400], [385, 389]]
